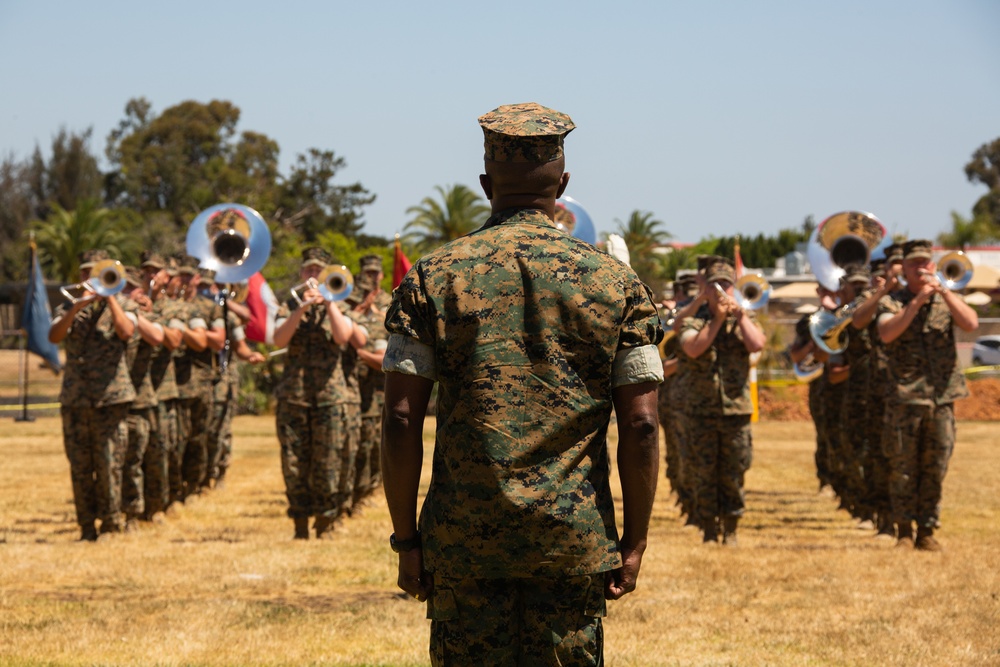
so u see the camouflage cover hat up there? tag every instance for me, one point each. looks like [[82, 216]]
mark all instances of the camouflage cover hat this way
[[856, 273], [877, 267], [917, 249], [894, 253], [187, 265], [171, 266], [315, 255], [704, 261], [371, 263], [719, 270], [152, 260], [133, 277], [90, 257], [207, 274], [526, 132]]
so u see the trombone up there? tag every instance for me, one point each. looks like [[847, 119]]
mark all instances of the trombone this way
[[335, 283], [107, 278]]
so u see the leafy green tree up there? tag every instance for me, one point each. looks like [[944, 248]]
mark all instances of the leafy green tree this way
[[984, 167], [965, 232], [187, 159], [642, 233], [459, 212], [63, 235], [311, 202]]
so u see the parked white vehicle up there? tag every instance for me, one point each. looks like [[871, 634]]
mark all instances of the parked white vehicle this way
[[986, 351]]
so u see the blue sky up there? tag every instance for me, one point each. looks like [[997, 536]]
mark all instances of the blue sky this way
[[718, 117]]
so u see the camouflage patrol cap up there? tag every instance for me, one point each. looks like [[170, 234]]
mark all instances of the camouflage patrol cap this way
[[526, 132], [894, 253], [207, 274], [877, 267], [171, 266], [90, 257], [152, 260], [315, 256], [704, 261], [187, 265], [856, 273], [719, 270], [917, 249], [133, 277], [371, 263]]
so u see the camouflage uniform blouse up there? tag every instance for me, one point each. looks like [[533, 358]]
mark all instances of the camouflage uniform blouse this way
[[195, 369], [96, 372], [318, 372], [524, 327], [372, 380], [718, 381], [923, 361], [161, 370], [139, 356]]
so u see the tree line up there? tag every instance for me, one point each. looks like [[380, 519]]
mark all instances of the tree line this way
[[165, 168]]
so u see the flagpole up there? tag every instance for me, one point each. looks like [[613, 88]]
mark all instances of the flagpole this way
[[30, 294]]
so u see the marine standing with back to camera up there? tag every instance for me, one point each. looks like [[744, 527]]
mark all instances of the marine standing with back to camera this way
[[916, 323], [533, 336]]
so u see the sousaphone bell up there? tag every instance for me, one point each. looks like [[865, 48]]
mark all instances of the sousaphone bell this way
[[231, 239], [842, 239]]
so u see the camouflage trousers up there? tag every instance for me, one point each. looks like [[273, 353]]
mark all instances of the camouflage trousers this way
[[682, 460], [220, 439], [189, 464], [856, 433], [318, 451], [816, 412], [368, 462], [95, 440], [139, 422], [919, 445], [829, 439], [671, 454], [156, 462], [530, 621], [721, 452]]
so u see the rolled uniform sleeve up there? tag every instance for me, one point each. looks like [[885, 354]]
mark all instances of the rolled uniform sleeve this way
[[410, 323], [637, 359]]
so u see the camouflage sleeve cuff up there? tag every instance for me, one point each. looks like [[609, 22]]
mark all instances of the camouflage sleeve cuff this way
[[239, 334], [132, 316], [380, 345], [884, 317], [410, 357], [637, 364], [218, 323], [197, 323], [176, 324]]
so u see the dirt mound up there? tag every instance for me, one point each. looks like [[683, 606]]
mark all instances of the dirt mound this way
[[791, 403]]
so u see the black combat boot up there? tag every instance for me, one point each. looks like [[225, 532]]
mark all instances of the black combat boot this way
[[904, 534], [301, 528]]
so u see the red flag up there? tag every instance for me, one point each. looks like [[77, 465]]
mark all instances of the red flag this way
[[263, 307], [737, 260], [400, 265]]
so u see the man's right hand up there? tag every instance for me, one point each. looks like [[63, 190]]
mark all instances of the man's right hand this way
[[412, 577]]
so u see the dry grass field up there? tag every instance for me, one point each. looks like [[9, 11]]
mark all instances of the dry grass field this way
[[224, 584]]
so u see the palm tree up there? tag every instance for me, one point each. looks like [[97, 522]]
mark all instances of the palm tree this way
[[642, 233], [63, 235], [965, 232], [461, 211]]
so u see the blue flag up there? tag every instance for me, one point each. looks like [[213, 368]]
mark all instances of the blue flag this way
[[37, 318]]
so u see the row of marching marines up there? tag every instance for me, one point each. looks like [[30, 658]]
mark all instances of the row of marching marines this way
[[150, 383], [881, 362]]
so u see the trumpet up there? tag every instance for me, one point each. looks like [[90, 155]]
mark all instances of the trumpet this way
[[107, 278], [335, 283], [955, 270], [753, 292]]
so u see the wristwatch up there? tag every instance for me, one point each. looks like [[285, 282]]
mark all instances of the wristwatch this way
[[404, 545]]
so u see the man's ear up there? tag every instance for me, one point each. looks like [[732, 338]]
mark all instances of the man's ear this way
[[486, 183], [563, 182]]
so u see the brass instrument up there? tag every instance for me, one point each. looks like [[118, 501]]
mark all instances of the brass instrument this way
[[107, 277], [808, 369], [829, 331], [754, 292], [335, 283], [231, 239], [842, 239], [668, 332], [955, 270]]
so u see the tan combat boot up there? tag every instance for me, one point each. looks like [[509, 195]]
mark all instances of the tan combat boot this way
[[904, 535], [926, 541]]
